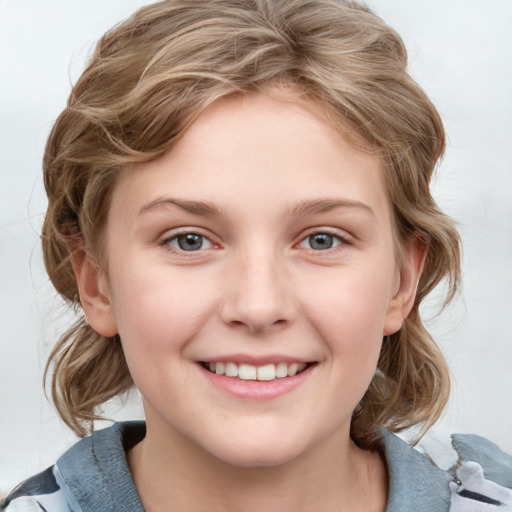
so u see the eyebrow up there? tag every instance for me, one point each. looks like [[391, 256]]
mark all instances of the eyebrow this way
[[326, 205], [195, 207], [203, 208]]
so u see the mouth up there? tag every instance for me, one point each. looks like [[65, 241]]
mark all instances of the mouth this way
[[267, 372]]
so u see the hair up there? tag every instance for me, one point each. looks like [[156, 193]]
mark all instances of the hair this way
[[147, 81]]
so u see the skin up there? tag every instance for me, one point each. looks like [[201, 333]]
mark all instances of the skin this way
[[256, 287]]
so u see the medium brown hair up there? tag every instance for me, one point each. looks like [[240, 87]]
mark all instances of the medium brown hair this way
[[151, 76]]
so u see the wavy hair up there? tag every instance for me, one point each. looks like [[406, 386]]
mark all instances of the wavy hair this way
[[151, 76]]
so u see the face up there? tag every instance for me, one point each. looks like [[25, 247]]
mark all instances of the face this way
[[251, 275]]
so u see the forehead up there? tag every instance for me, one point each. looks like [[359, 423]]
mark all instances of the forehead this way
[[246, 150]]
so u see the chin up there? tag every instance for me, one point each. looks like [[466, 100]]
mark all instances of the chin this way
[[254, 455]]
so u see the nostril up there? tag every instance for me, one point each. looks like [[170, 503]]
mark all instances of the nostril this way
[[258, 327], [237, 323]]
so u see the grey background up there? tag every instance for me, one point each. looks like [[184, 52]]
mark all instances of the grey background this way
[[460, 52]]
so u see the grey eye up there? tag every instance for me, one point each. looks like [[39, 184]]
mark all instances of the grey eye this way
[[189, 242], [321, 241]]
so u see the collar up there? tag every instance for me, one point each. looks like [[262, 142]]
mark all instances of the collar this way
[[97, 476], [96, 473], [415, 483]]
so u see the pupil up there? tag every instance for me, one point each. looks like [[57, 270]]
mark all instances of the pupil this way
[[190, 242], [321, 241]]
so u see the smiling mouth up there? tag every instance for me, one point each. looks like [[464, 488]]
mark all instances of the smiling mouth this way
[[267, 372]]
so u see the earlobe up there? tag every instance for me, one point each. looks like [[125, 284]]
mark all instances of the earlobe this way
[[402, 302], [94, 295]]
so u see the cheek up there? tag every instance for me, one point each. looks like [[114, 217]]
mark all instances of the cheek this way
[[349, 313], [354, 301], [348, 317], [158, 312]]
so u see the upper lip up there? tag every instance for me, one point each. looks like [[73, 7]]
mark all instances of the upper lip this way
[[255, 360]]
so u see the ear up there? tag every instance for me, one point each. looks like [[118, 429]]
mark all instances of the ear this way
[[94, 295], [409, 275]]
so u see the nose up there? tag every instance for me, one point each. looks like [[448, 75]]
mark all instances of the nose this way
[[258, 295]]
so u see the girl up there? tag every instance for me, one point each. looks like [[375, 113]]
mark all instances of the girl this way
[[239, 204]]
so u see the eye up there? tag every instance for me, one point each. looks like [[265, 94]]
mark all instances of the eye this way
[[321, 241], [189, 242]]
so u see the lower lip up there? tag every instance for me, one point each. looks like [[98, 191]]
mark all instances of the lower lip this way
[[256, 389]]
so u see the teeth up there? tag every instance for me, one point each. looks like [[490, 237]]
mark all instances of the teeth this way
[[231, 369], [267, 372], [220, 369], [293, 369], [249, 372], [281, 370]]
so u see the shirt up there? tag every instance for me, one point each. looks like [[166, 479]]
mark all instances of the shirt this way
[[93, 476]]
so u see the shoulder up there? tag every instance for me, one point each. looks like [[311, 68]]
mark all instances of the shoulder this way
[[456, 473], [483, 474], [92, 475], [496, 464], [38, 493]]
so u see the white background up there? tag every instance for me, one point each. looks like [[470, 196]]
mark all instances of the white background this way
[[460, 52]]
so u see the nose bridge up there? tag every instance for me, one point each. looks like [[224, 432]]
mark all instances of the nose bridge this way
[[258, 295]]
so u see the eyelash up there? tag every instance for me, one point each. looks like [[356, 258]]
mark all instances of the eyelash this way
[[167, 242]]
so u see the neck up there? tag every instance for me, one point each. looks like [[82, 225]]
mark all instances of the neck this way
[[336, 475]]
